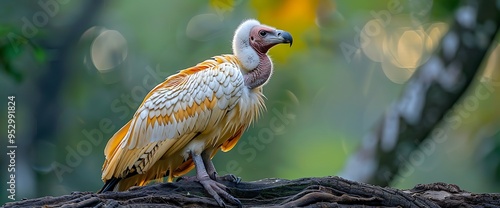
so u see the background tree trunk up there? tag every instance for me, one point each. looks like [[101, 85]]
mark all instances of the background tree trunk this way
[[310, 192], [433, 90]]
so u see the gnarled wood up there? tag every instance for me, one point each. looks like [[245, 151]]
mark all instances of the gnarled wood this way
[[308, 192]]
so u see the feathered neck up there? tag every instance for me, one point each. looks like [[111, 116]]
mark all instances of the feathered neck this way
[[257, 66]]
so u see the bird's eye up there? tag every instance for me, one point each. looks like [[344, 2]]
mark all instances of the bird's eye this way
[[262, 33]]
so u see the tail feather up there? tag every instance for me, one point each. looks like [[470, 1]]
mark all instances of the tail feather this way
[[109, 185]]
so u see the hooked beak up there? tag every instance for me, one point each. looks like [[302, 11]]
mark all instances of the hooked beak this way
[[280, 36], [285, 36]]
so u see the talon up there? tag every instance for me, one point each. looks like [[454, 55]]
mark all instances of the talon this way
[[230, 178], [218, 191], [214, 176]]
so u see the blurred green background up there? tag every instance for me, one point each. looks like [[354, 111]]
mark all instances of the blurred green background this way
[[79, 75]]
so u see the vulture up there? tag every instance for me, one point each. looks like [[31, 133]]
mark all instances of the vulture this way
[[185, 120]]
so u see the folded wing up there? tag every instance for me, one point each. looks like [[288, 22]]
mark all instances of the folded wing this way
[[187, 104]]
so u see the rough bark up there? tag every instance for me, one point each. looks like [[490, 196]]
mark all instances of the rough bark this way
[[308, 192], [431, 92]]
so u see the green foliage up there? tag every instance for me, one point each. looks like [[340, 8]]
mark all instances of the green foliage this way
[[12, 46]]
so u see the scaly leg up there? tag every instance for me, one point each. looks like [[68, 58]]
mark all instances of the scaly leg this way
[[213, 188], [209, 165]]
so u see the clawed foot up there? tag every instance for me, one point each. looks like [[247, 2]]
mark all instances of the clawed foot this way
[[207, 177], [218, 191]]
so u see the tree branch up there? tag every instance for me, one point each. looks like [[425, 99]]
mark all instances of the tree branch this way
[[432, 91], [311, 192]]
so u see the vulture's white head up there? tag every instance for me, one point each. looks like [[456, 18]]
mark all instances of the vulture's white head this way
[[252, 40]]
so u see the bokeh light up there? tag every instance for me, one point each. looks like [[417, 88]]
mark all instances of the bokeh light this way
[[204, 27], [398, 48], [372, 48], [108, 50], [104, 53]]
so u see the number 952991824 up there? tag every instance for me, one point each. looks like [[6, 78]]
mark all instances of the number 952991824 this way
[[11, 116]]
